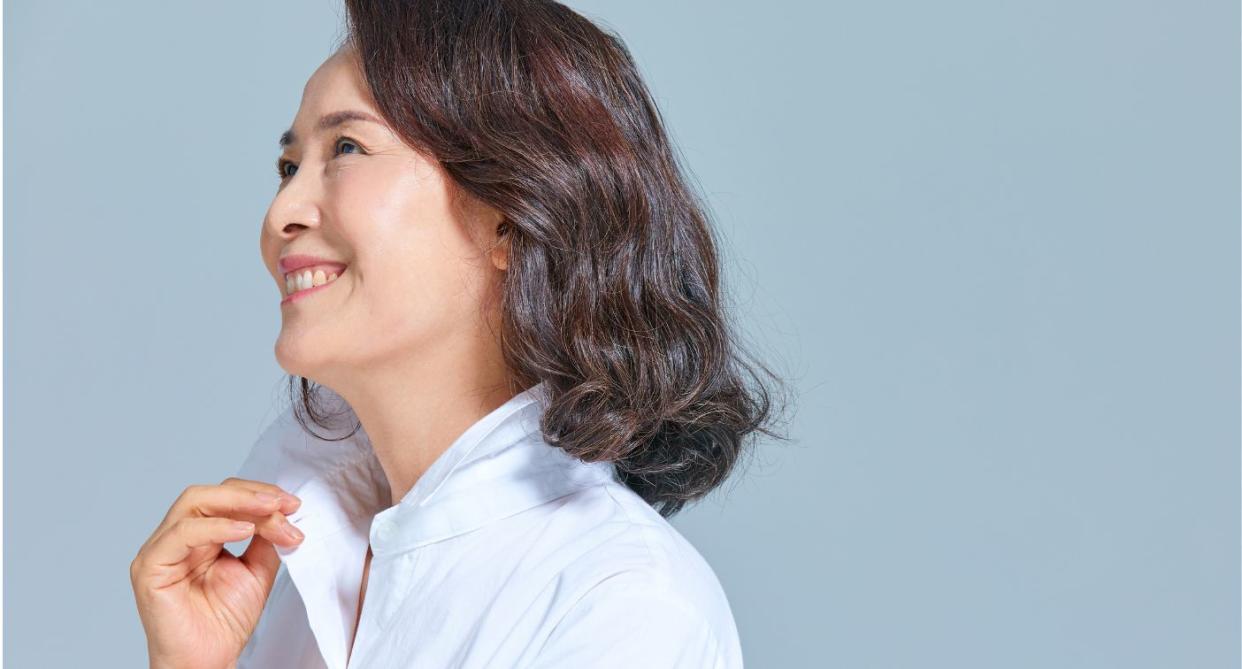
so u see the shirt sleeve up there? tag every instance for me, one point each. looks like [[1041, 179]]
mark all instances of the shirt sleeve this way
[[619, 624]]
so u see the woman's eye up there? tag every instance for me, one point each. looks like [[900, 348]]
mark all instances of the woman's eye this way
[[348, 142], [282, 165]]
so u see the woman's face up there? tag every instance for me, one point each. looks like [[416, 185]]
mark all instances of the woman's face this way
[[420, 272]]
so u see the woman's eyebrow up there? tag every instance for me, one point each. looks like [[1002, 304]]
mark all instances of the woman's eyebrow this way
[[330, 121]]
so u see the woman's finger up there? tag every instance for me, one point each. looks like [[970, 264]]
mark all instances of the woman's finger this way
[[175, 545], [262, 486], [253, 485], [230, 500], [277, 529], [237, 498]]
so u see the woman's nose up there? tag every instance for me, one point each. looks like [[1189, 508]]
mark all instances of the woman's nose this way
[[295, 208]]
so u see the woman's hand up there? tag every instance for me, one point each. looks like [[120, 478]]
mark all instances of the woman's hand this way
[[198, 602]]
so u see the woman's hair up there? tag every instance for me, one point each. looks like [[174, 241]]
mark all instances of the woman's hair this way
[[612, 292]]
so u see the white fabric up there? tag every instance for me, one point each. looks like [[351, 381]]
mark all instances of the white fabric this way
[[506, 553]]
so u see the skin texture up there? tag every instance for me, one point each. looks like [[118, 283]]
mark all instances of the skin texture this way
[[406, 335]]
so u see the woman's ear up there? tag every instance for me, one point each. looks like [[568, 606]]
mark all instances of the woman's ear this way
[[500, 246]]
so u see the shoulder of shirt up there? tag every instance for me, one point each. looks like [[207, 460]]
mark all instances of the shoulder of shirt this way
[[625, 546], [618, 527]]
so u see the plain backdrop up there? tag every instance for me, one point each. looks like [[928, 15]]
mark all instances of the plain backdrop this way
[[993, 246]]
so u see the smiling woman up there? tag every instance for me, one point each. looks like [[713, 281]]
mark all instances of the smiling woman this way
[[488, 255]]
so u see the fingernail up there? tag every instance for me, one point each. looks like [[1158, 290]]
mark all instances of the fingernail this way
[[243, 525], [266, 497], [293, 531]]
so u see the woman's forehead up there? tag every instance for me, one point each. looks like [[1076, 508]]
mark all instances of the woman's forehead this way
[[337, 76], [331, 90]]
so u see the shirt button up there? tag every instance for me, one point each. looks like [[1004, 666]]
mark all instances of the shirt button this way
[[384, 531]]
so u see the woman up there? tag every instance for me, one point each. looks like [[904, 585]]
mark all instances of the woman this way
[[487, 256]]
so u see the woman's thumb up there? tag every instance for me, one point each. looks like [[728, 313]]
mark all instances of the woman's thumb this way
[[261, 558]]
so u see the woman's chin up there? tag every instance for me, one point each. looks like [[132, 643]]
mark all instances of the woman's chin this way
[[300, 357]]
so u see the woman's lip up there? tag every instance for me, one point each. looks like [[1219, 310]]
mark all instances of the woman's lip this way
[[297, 295]]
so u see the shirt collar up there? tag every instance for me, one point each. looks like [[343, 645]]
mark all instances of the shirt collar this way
[[498, 467]]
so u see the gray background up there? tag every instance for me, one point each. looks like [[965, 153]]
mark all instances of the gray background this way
[[994, 246]]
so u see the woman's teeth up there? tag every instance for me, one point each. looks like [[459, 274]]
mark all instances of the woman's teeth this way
[[295, 281]]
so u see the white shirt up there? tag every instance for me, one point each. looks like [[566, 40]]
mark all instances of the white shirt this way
[[506, 553]]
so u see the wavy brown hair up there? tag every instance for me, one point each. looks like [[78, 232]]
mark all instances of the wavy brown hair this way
[[612, 294]]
